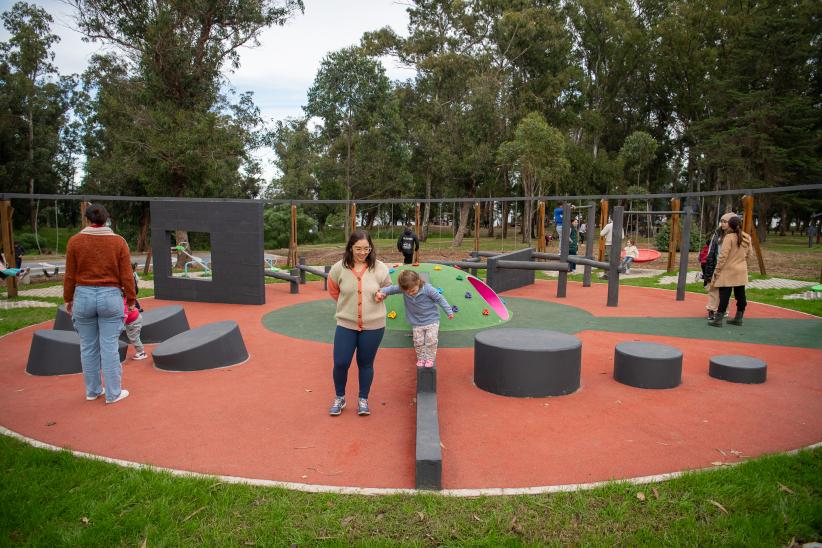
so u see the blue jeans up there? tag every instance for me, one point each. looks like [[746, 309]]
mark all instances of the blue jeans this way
[[626, 263], [97, 313], [366, 343]]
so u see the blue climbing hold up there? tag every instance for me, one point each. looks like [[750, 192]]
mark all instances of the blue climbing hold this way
[[391, 270], [468, 295], [439, 290], [455, 308]]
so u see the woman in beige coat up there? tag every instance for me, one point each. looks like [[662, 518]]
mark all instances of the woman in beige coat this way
[[731, 271]]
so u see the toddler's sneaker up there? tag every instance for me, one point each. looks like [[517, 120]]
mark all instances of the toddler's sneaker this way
[[123, 395], [139, 356], [337, 406], [420, 363], [429, 363], [362, 407]]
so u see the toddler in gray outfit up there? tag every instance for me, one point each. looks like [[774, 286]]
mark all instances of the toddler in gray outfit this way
[[421, 300]]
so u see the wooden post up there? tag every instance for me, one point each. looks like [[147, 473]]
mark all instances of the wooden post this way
[[673, 234], [749, 227], [7, 235], [292, 242], [476, 226], [541, 228], [418, 230], [353, 217], [603, 220]]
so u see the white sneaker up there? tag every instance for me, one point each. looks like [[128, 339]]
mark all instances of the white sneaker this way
[[123, 395], [139, 356], [92, 398]]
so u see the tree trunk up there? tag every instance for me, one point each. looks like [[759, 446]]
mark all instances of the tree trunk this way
[[181, 236], [427, 210], [783, 220], [142, 240], [490, 210], [348, 184], [32, 210], [465, 207], [504, 220]]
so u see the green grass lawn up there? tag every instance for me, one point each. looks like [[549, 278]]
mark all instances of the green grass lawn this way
[[52, 498]]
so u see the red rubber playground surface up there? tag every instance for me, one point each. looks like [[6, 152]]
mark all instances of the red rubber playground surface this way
[[266, 419]]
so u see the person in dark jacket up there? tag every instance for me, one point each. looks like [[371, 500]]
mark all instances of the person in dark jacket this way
[[407, 244]]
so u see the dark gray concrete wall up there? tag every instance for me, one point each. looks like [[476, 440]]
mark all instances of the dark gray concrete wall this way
[[503, 279], [236, 231]]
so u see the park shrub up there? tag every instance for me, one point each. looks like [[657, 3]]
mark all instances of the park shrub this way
[[277, 221], [663, 235], [29, 242]]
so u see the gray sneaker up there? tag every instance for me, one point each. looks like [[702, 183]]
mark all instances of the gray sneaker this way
[[337, 406], [362, 407]]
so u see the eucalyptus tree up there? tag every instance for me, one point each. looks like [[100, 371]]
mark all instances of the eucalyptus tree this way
[[35, 101], [350, 95], [537, 153]]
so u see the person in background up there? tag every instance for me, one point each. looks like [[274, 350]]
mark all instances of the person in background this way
[[607, 232], [352, 282], [19, 251], [732, 270], [133, 327], [631, 253], [573, 244], [421, 300], [708, 268], [558, 214], [98, 276], [407, 244]]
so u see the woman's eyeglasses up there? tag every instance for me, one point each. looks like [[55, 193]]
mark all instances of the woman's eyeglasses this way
[[361, 249]]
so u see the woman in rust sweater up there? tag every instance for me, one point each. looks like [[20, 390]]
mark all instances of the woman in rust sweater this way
[[98, 275]]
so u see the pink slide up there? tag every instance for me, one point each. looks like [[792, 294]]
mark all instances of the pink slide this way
[[490, 297]]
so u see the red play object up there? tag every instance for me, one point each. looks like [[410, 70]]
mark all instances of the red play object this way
[[645, 255]]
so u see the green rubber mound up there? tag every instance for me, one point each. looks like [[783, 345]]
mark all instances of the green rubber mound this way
[[455, 284], [817, 288]]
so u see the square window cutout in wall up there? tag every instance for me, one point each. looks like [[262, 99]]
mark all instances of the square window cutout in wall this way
[[191, 255]]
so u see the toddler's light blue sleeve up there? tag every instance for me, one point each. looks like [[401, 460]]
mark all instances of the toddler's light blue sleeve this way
[[391, 290], [438, 298]]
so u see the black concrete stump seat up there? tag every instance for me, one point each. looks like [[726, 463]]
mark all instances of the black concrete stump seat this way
[[160, 324], [647, 365], [735, 368], [57, 352], [527, 362], [218, 344], [62, 321]]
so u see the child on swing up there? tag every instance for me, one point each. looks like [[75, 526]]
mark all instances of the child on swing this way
[[631, 253], [421, 300]]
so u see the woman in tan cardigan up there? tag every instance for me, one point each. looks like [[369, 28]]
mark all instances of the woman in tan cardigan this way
[[353, 282], [731, 271]]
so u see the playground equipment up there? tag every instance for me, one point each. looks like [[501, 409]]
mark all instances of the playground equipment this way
[[303, 268], [205, 264], [293, 277]]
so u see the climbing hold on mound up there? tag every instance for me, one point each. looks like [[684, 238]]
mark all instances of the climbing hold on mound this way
[[392, 314], [415, 264], [439, 290], [455, 308], [438, 267], [485, 312], [458, 267], [468, 295], [395, 265], [460, 278], [391, 270]]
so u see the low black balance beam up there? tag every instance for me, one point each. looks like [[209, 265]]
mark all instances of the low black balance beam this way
[[293, 278], [528, 265]]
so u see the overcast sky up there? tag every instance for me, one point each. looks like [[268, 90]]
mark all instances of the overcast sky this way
[[282, 68]]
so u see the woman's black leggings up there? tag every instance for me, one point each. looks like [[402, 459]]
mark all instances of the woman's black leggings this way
[[725, 297]]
